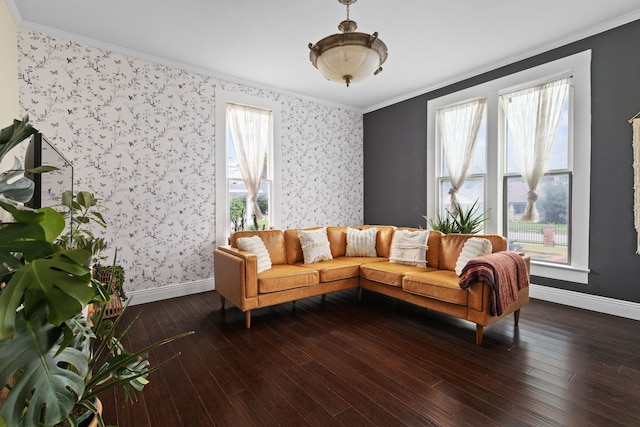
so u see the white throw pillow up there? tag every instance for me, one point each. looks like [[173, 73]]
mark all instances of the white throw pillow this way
[[361, 243], [409, 247], [255, 245], [315, 245], [473, 247]]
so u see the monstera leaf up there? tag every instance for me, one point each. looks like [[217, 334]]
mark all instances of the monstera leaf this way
[[48, 378], [60, 280], [14, 135], [31, 236]]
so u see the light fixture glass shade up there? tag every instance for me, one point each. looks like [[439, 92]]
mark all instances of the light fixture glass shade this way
[[348, 57], [359, 62]]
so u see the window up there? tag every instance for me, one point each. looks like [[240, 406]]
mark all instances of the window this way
[[249, 166], [461, 141], [549, 190], [247, 183], [537, 172]]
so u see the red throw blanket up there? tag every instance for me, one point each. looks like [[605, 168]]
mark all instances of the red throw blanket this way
[[504, 272]]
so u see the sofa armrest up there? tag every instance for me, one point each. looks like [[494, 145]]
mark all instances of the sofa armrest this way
[[236, 276]]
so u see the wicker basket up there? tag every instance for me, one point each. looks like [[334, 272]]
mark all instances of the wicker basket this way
[[114, 307]]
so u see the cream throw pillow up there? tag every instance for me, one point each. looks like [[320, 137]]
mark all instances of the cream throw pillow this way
[[315, 245], [361, 243], [473, 247], [409, 247], [255, 245]]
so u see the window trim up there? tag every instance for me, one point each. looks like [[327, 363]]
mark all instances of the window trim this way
[[222, 98], [579, 67]]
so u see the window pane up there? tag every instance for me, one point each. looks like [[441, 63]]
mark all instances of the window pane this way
[[479, 160], [559, 156], [238, 206], [471, 191], [548, 240], [233, 166]]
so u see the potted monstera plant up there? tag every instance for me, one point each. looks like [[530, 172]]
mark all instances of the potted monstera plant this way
[[54, 360]]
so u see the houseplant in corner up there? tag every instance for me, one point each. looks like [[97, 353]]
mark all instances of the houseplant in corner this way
[[52, 359], [83, 210]]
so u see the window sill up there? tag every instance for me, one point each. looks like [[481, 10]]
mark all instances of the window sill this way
[[567, 273]]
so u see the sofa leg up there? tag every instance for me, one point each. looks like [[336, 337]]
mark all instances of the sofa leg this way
[[247, 319], [359, 293], [516, 316], [479, 332], [222, 301], [324, 297]]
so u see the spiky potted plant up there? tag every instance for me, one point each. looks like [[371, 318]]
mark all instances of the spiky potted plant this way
[[459, 220]]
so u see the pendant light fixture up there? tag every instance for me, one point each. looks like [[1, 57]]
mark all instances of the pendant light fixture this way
[[348, 56]]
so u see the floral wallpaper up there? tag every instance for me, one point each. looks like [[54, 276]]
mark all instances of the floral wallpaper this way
[[142, 137]]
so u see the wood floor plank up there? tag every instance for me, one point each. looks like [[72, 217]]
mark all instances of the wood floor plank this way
[[381, 362]]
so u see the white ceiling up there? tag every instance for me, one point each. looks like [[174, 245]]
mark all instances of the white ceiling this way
[[264, 42]]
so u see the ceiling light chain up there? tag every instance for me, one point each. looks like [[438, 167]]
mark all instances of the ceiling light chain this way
[[349, 56]]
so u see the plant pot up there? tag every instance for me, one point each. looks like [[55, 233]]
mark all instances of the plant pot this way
[[86, 418], [93, 420]]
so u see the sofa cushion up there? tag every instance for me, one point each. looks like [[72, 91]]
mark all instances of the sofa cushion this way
[[437, 284], [433, 253], [363, 260], [473, 247], [361, 243], [409, 247], [283, 277], [389, 273], [315, 245], [337, 240], [335, 269], [255, 245], [451, 246], [272, 239]]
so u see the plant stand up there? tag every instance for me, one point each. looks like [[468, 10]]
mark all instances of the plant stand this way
[[114, 307]]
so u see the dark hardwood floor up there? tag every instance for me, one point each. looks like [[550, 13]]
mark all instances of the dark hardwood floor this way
[[381, 362]]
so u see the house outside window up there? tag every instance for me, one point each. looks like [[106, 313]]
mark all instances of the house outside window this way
[[543, 212]]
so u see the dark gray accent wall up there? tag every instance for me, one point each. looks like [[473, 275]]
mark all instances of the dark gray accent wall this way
[[395, 139]]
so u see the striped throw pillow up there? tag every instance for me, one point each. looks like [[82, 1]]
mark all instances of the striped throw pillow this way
[[361, 243], [473, 247], [255, 245]]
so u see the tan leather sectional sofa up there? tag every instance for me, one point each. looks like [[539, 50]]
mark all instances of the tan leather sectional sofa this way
[[434, 287]]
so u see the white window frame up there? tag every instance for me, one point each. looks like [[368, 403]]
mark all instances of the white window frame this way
[[579, 67], [222, 220]]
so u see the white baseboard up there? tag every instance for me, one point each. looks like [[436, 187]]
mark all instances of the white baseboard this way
[[616, 307], [170, 291]]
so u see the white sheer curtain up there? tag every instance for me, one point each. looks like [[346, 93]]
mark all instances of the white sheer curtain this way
[[457, 128], [532, 117], [250, 130]]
